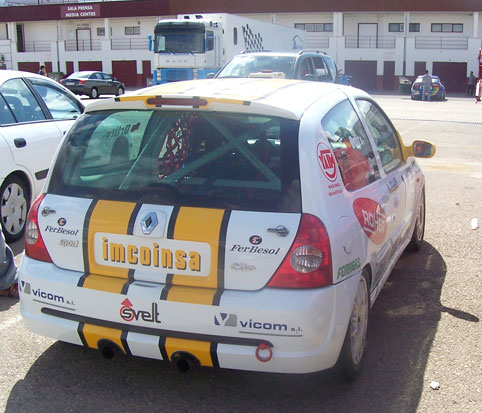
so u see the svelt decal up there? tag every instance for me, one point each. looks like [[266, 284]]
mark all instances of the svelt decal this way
[[129, 251], [27, 289], [372, 219], [348, 268], [128, 313], [255, 250], [327, 162], [232, 320], [121, 130], [61, 230]]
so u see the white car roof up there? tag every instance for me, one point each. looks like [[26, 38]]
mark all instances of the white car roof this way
[[274, 97], [10, 74]]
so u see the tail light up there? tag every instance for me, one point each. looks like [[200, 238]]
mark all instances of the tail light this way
[[34, 244], [82, 82], [308, 264]]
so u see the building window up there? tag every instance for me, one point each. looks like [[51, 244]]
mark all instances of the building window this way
[[315, 27], [447, 27], [395, 27], [133, 30], [235, 35], [100, 31], [414, 27]]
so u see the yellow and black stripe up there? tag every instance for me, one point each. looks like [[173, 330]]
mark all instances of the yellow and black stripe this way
[[202, 225], [187, 224], [104, 216]]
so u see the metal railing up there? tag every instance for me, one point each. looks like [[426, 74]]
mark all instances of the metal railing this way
[[37, 46], [129, 44], [370, 42], [442, 42], [82, 45]]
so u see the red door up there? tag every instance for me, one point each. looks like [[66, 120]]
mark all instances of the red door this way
[[363, 73], [90, 66], [32, 67], [125, 71], [452, 75], [389, 75]]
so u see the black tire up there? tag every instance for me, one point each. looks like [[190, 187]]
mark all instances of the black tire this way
[[419, 229], [94, 93], [351, 356], [120, 91], [14, 204]]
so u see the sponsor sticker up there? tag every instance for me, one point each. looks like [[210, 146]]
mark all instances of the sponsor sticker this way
[[129, 251], [348, 268], [255, 239], [256, 326], [326, 161], [372, 219], [128, 313]]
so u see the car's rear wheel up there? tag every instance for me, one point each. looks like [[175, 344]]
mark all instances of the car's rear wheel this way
[[94, 93], [351, 355], [419, 230], [120, 91], [14, 202]]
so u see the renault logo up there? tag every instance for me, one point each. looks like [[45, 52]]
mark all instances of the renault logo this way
[[149, 222]]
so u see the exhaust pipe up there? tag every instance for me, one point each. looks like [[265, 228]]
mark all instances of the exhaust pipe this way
[[108, 348], [184, 361]]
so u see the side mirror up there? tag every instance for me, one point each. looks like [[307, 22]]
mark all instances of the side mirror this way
[[210, 75], [420, 149], [423, 149]]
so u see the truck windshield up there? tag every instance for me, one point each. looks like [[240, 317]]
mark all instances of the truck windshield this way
[[179, 38]]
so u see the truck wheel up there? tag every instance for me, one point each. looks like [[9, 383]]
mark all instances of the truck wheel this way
[[94, 93], [351, 355], [120, 91], [13, 207]]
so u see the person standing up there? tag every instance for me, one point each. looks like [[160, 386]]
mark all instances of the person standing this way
[[42, 71], [426, 85], [471, 84]]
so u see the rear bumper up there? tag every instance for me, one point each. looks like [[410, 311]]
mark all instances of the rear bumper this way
[[303, 329]]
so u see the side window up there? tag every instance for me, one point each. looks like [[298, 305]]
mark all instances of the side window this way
[[306, 68], [105, 76], [60, 104], [384, 135], [350, 144], [321, 71], [21, 100], [330, 63], [6, 116]]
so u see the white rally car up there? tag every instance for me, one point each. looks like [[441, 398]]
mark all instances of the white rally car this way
[[239, 223]]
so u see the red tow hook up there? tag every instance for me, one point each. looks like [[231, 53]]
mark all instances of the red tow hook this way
[[264, 353]]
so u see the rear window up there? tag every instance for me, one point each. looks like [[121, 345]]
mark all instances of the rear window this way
[[242, 66], [220, 160]]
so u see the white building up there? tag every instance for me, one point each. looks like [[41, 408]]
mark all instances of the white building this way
[[374, 42]]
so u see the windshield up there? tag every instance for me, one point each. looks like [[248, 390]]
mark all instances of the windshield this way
[[220, 160], [179, 38], [79, 75], [242, 66]]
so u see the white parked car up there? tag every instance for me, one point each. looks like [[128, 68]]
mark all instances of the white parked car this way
[[237, 223], [35, 113]]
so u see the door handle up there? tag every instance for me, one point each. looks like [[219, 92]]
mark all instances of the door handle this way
[[20, 142]]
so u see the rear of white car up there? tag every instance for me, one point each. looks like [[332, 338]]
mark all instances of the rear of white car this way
[[200, 223]]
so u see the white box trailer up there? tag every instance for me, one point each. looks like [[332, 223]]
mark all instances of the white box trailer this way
[[194, 45]]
